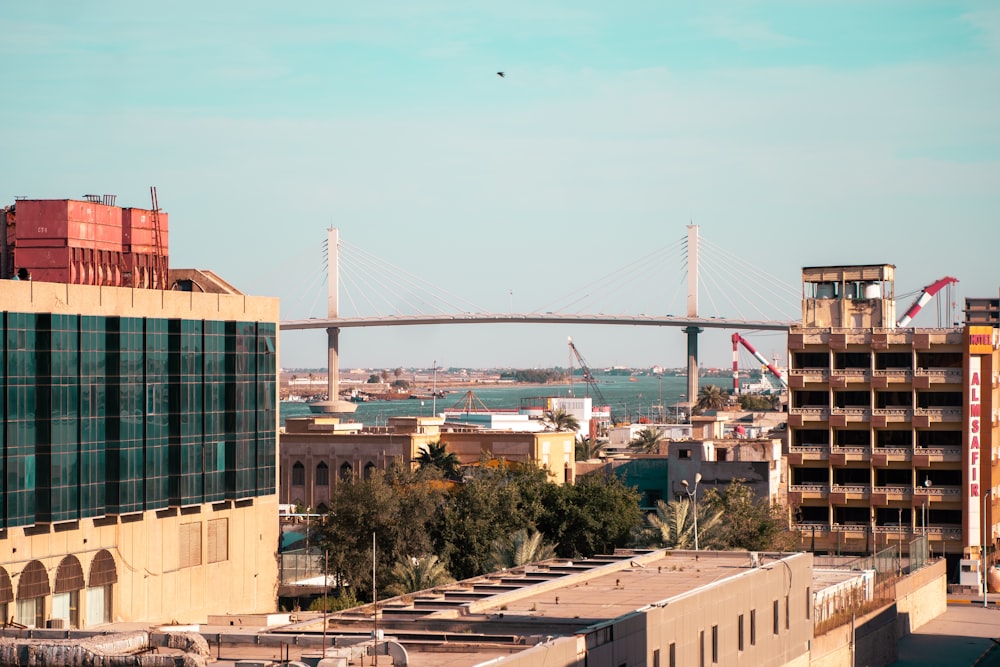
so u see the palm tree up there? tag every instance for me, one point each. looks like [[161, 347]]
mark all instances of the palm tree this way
[[435, 455], [711, 397], [560, 420], [588, 448], [674, 522], [519, 548], [647, 440], [418, 574]]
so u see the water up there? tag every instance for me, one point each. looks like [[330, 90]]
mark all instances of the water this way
[[641, 396]]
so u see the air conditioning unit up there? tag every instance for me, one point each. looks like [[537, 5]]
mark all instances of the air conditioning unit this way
[[57, 623]]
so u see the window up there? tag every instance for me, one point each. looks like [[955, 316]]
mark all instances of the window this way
[[788, 613], [684, 453], [715, 644], [298, 474], [701, 648], [739, 633], [218, 540], [190, 544], [322, 475], [656, 657], [777, 616], [346, 472], [809, 596], [753, 627], [673, 656]]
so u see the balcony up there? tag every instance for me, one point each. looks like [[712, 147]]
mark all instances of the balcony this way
[[843, 493], [882, 495], [882, 456], [882, 416], [808, 415], [924, 378], [925, 456], [938, 493], [849, 415], [800, 453], [881, 379], [800, 377], [844, 454], [842, 377], [809, 492], [851, 530], [924, 417]]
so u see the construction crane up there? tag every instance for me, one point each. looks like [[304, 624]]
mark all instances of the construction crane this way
[[589, 378], [740, 340], [926, 295]]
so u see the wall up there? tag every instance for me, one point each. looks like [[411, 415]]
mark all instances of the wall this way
[[921, 597]]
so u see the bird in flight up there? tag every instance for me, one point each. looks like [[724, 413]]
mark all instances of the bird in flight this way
[[501, 75]]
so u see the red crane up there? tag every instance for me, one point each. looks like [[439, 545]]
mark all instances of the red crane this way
[[737, 341], [926, 295]]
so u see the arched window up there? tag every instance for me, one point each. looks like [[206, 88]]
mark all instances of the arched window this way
[[103, 576], [6, 595], [298, 474], [369, 469], [346, 471], [32, 589], [66, 596], [322, 475]]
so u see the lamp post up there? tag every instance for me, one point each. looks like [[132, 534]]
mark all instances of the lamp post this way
[[693, 495]]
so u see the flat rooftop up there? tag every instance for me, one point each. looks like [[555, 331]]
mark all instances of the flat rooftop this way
[[505, 612]]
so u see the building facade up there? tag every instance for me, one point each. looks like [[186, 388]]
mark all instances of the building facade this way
[[139, 454], [318, 452], [893, 431]]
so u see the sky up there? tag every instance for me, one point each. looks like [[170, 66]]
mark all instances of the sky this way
[[791, 133]]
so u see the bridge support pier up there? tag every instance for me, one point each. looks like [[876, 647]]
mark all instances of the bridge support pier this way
[[333, 404], [692, 364]]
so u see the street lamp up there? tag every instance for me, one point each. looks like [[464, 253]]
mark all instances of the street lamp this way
[[693, 495]]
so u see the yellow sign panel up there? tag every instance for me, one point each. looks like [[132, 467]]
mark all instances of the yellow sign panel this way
[[983, 340]]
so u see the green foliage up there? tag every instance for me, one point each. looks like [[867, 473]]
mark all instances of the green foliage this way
[[410, 575], [595, 515], [435, 455], [400, 384], [374, 379], [647, 440], [711, 397], [673, 525], [756, 402], [560, 420], [345, 600], [534, 375], [587, 449], [519, 548], [397, 506], [751, 523]]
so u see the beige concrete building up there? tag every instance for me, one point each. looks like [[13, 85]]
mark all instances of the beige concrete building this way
[[316, 452], [893, 430], [139, 454]]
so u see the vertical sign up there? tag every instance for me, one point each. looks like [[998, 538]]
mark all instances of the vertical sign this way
[[973, 488]]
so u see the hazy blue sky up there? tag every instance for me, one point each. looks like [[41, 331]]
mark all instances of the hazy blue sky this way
[[792, 133]]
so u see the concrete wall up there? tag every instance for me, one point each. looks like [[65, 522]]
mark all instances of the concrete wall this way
[[921, 597]]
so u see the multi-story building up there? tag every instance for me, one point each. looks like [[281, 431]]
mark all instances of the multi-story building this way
[[893, 431], [318, 452], [138, 454]]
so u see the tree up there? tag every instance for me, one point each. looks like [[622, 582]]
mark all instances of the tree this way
[[410, 575], [647, 440], [374, 379], [435, 455], [519, 548], [398, 506], [595, 515], [755, 402], [560, 420], [673, 525], [588, 448], [751, 523], [711, 397], [398, 372], [384, 375]]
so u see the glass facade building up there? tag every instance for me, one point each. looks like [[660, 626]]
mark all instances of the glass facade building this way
[[110, 415]]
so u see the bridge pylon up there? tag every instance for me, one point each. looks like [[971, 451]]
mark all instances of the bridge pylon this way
[[333, 404]]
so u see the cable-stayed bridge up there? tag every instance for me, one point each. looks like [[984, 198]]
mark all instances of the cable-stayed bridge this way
[[399, 298]]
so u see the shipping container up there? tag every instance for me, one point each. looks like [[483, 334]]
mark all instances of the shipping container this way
[[82, 224]]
